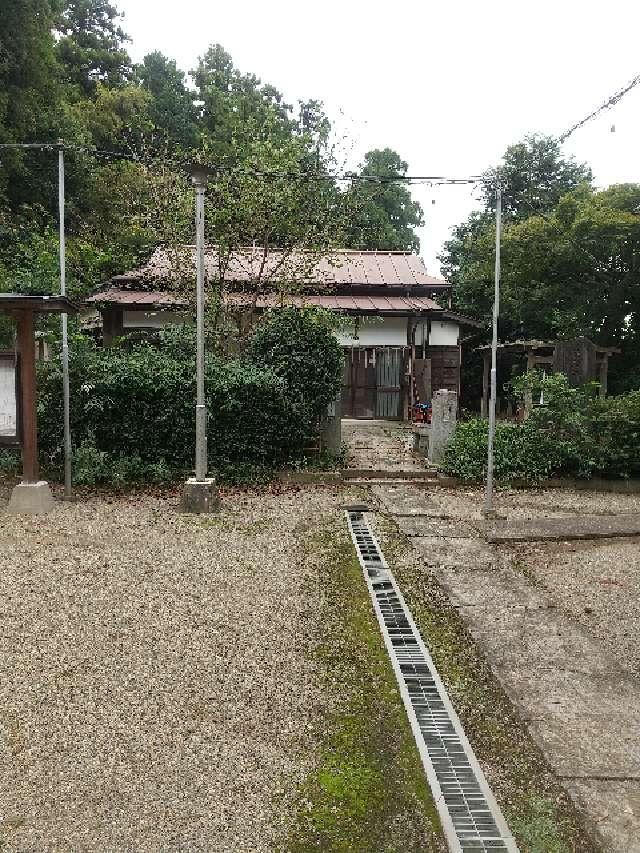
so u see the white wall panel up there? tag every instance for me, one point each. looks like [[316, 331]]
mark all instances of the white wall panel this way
[[151, 319], [374, 332]]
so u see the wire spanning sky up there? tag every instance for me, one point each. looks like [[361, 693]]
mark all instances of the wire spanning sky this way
[[448, 85]]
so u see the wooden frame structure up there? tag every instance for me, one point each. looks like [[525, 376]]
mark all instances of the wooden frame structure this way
[[23, 308], [550, 354]]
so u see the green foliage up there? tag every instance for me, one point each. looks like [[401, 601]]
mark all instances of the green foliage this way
[[65, 73], [171, 109], [93, 467], [382, 215], [299, 346], [520, 452], [575, 433], [90, 47], [138, 403], [10, 462], [132, 405], [569, 257], [535, 175]]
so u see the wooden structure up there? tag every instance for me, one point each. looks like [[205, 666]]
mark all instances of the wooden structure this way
[[400, 344], [23, 308], [580, 360]]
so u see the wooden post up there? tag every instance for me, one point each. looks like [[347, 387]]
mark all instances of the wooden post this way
[[486, 366], [27, 349], [528, 398], [604, 370]]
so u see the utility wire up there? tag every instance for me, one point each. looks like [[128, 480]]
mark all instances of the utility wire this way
[[431, 180], [610, 102]]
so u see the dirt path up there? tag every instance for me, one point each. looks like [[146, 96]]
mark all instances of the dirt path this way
[[555, 628]]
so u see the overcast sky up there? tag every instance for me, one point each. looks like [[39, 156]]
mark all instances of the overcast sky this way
[[448, 85]]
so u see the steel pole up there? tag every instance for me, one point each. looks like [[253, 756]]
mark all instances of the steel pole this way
[[65, 331], [488, 505], [199, 181]]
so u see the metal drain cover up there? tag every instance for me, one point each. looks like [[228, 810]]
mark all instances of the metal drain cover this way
[[470, 816]]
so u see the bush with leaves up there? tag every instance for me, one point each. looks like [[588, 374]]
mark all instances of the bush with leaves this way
[[133, 404], [574, 433], [299, 346], [521, 452]]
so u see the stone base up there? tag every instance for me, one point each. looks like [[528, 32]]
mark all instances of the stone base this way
[[31, 498], [200, 495]]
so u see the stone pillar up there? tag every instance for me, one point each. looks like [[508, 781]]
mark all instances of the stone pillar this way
[[331, 427], [443, 422]]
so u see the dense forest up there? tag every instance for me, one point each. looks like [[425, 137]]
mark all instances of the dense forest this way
[[130, 132]]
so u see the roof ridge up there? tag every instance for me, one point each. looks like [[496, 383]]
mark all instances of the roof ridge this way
[[343, 251]]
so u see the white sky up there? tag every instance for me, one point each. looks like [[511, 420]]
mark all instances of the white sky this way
[[448, 85]]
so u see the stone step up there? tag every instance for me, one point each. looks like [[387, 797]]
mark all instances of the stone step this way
[[386, 474]]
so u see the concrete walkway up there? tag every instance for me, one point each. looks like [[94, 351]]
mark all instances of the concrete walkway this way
[[581, 703], [561, 529]]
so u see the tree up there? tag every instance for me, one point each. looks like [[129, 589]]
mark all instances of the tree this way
[[574, 271], [237, 108], [171, 107], [91, 45], [381, 213], [29, 95], [535, 177]]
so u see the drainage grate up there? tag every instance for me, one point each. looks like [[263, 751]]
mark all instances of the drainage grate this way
[[468, 811]]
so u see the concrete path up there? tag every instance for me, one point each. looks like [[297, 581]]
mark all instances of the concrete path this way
[[560, 529], [581, 703]]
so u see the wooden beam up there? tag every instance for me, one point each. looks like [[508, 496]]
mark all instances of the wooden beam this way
[[27, 349]]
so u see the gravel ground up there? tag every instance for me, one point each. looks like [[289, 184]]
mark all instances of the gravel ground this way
[[155, 693]]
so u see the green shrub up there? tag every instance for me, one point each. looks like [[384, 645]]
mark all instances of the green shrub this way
[[520, 452], [299, 346], [93, 467], [575, 433], [133, 404], [10, 462]]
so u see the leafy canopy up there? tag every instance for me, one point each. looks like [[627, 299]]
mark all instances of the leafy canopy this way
[[570, 257]]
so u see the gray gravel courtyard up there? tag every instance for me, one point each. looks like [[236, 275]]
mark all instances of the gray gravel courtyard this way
[[155, 693]]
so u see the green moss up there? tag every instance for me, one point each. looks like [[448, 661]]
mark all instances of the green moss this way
[[368, 792]]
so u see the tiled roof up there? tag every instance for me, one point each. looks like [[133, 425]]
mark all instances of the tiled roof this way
[[339, 267]]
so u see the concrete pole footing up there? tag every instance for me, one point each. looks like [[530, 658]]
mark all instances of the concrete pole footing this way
[[31, 499], [200, 496]]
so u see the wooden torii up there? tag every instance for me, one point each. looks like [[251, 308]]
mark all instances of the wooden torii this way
[[31, 495]]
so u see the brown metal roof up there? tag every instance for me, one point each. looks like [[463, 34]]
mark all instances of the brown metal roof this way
[[138, 298], [41, 304], [141, 299], [347, 304], [248, 265]]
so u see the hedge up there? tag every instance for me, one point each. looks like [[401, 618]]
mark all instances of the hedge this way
[[133, 404], [576, 433]]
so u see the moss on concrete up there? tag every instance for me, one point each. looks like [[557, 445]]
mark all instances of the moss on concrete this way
[[368, 792], [539, 812]]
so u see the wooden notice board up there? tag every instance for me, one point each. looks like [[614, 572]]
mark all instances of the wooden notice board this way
[[10, 426]]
